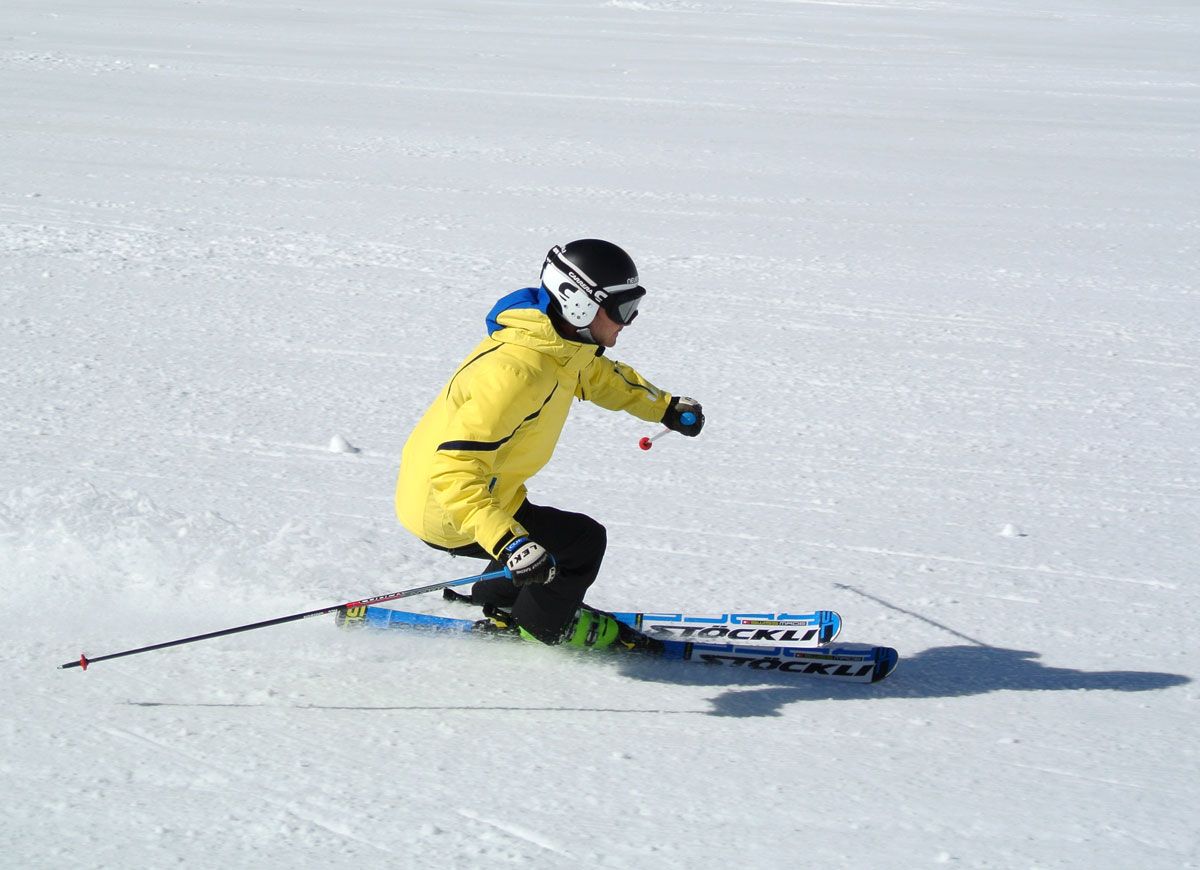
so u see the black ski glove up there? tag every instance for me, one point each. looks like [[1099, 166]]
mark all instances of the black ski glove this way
[[529, 562], [680, 407]]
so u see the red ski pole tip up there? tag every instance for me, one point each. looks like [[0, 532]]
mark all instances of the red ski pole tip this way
[[646, 443], [83, 661]]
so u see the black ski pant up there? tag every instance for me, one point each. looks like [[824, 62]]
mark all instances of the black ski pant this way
[[577, 543]]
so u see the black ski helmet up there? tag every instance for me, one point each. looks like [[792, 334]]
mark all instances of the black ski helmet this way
[[583, 274]]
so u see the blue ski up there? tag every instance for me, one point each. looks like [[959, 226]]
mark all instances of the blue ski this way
[[775, 628], [852, 663], [813, 629]]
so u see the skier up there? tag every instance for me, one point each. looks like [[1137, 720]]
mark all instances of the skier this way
[[462, 477]]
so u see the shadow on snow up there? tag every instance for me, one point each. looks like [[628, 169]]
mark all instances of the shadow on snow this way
[[940, 672]]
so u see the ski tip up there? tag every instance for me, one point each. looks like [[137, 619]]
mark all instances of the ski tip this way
[[886, 660], [831, 625], [350, 616]]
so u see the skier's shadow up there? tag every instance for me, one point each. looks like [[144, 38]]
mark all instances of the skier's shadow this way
[[940, 672]]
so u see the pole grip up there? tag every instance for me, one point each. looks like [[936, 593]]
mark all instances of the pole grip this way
[[687, 418]]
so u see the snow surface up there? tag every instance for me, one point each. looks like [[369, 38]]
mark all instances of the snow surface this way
[[930, 264]]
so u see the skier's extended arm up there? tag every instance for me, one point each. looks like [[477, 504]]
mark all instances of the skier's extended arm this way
[[619, 387]]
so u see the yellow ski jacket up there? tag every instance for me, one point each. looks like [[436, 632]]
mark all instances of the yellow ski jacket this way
[[497, 421]]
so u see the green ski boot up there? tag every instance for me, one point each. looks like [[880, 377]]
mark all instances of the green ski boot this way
[[595, 629]]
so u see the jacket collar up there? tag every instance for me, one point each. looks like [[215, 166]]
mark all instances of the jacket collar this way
[[522, 318]]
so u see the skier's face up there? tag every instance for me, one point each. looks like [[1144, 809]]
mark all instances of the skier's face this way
[[604, 329]]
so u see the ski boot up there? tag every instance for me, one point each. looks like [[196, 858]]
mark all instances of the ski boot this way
[[588, 629], [595, 629]]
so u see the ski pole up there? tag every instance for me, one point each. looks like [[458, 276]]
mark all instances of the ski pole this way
[[687, 418], [84, 660]]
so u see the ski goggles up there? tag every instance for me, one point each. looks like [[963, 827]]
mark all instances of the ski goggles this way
[[622, 306]]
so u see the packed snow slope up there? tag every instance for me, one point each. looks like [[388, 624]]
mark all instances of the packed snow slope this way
[[931, 265]]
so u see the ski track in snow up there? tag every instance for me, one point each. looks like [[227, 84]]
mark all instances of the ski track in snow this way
[[931, 266]]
